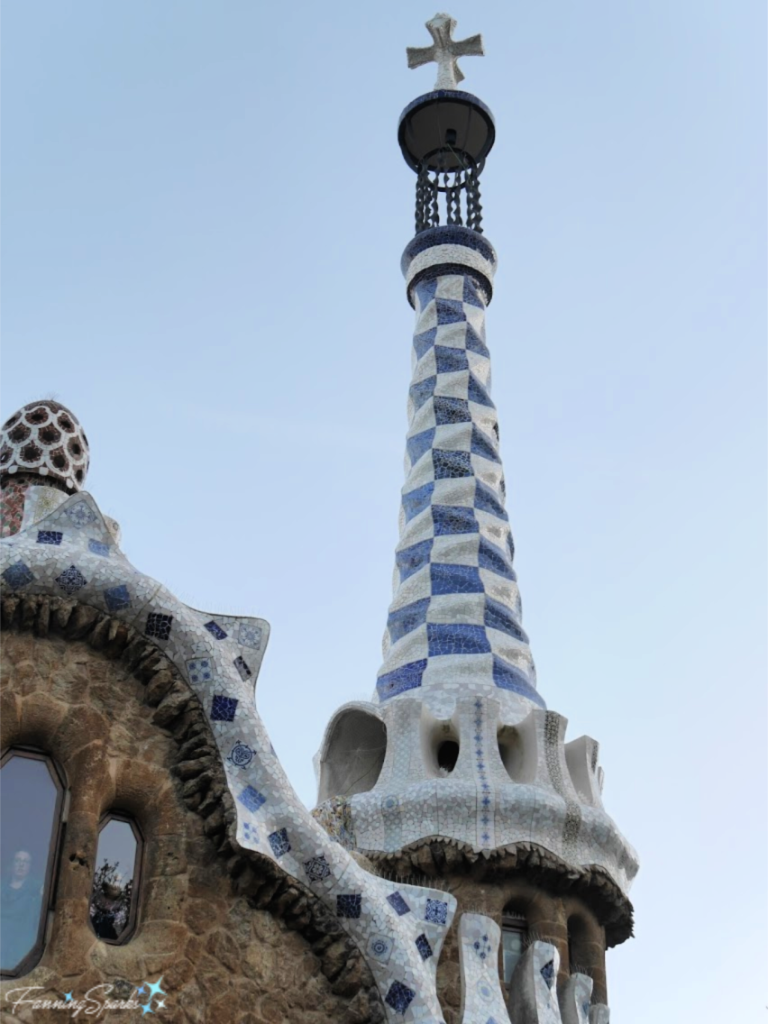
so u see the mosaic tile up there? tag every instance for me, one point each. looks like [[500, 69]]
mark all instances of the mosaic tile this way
[[398, 904], [71, 580], [349, 905], [223, 709], [436, 911], [117, 598], [241, 755], [399, 997], [18, 575], [215, 629], [158, 625], [49, 537], [251, 798], [279, 842], [317, 868], [242, 667]]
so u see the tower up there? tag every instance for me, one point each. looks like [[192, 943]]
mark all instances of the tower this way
[[456, 770]]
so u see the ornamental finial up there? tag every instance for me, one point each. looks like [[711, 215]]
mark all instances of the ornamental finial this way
[[445, 51]]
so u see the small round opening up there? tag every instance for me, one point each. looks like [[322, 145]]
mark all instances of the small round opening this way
[[447, 755]]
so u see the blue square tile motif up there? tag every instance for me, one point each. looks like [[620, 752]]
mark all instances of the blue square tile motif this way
[[450, 311], [405, 620], [417, 500], [423, 946], [451, 410], [71, 580], [483, 445], [448, 519], [450, 360], [436, 912], [450, 464], [498, 616], [422, 343], [455, 579], [456, 638], [215, 629], [486, 501], [417, 445], [317, 868], [117, 598], [200, 670], [477, 393], [396, 901], [349, 905], [399, 997], [475, 343], [421, 391], [493, 558], [411, 559], [49, 537], [252, 798], [548, 973], [250, 833], [279, 842], [507, 677], [407, 677], [223, 708], [98, 548], [158, 625], [18, 575]]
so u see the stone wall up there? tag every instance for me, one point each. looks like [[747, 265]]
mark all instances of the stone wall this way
[[234, 940], [547, 898]]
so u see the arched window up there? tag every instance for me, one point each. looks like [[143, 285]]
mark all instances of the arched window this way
[[115, 891], [578, 946], [31, 812], [514, 932]]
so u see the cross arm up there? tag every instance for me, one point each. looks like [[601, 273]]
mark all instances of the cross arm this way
[[472, 47], [418, 55]]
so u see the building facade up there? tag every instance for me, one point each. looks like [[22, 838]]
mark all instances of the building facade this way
[[459, 865]]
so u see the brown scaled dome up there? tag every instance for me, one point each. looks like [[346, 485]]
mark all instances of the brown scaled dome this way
[[45, 439]]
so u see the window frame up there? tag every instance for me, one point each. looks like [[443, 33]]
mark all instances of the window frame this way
[[133, 911], [511, 921], [53, 859]]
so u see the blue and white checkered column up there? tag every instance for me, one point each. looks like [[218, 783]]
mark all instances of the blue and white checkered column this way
[[454, 625]]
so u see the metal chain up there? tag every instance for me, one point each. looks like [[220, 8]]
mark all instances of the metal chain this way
[[474, 206]]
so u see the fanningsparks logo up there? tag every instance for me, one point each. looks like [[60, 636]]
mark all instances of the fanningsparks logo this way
[[95, 1002]]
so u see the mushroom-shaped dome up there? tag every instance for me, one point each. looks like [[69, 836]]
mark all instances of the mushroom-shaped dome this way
[[44, 438]]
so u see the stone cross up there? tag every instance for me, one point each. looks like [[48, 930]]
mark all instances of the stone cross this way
[[445, 51]]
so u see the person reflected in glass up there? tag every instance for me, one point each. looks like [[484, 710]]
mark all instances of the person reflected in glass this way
[[21, 898], [110, 902]]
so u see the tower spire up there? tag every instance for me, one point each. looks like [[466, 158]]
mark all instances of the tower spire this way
[[456, 768], [454, 625]]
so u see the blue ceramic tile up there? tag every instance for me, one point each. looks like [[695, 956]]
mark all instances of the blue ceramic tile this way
[[223, 708], [252, 798], [117, 598], [405, 620], [456, 638], [49, 537]]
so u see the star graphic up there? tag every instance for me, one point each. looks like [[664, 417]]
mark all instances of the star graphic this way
[[140, 991], [68, 996], [146, 1009], [161, 1005], [155, 988]]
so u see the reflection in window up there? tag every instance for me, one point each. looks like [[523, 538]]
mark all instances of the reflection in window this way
[[31, 796], [113, 900], [513, 934]]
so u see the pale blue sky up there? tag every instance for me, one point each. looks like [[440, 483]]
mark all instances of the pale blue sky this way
[[204, 208]]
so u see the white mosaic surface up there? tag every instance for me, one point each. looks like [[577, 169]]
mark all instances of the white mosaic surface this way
[[400, 929], [482, 995]]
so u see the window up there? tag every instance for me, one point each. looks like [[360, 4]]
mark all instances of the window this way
[[116, 879], [31, 812], [513, 936]]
